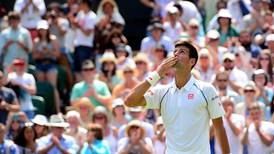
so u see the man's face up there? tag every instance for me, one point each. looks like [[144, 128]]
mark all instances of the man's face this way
[[222, 81], [228, 64], [14, 22], [184, 61], [255, 113], [88, 73], [156, 33], [245, 38], [57, 131]]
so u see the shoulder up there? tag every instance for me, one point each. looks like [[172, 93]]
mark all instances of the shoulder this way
[[91, 15], [79, 85], [205, 86], [146, 40], [99, 83]]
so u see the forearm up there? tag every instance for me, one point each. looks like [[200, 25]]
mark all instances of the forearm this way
[[126, 149], [145, 148], [86, 32], [63, 150], [136, 97], [30, 89], [245, 136], [266, 139], [235, 86], [221, 135], [103, 99]]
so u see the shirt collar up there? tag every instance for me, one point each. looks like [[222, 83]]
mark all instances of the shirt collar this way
[[187, 86]]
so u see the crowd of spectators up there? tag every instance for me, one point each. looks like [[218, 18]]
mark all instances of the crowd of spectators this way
[[67, 68]]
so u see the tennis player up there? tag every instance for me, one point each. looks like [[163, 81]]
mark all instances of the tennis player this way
[[186, 105]]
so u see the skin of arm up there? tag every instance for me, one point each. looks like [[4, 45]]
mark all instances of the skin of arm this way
[[45, 149], [221, 134]]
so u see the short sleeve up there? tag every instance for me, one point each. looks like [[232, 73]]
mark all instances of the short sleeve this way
[[214, 106], [90, 21], [74, 94], [153, 97]]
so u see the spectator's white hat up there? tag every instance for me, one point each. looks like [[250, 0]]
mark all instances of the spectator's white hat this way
[[193, 22], [213, 34], [172, 10], [117, 102], [42, 24], [108, 56], [269, 38], [229, 56], [40, 120], [224, 13], [57, 121]]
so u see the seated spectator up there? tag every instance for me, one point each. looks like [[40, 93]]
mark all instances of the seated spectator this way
[[137, 113], [119, 115], [114, 39], [135, 140], [159, 138], [205, 65], [265, 63], [8, 100], [26, 84], [26, 139], [193, 33], [129, 82], [250, 93], [40, 123], [7, 146], [97, 91], [15, 42], [14, 124], [148, 43], [124, 56], [258, 134], [75, 130], [234, 124], [142, 66], [101, 117], [57, 142], [95, 143], [245, 39], [45, 53], [108, 69], [159, 53]]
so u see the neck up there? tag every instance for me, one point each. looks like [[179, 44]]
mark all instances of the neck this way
[[204, 68], [181, 80]]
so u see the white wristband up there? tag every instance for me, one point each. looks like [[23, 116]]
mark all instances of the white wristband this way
[[153, 78]]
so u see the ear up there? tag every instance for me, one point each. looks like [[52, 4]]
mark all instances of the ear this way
[[193, 61]]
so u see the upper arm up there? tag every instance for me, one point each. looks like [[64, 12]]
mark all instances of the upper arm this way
[[214, 105]]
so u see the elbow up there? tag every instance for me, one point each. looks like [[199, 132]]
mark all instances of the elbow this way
[[129, 101]]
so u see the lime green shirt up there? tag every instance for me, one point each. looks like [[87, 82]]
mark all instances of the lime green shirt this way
[[80, 88]]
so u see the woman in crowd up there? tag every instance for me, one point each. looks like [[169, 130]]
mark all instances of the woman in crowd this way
[[119, 116], [159, 137], [142, 66], [95, 143], [108, 72], [14, 124], [85, 108], [26, 139], [101, 117], [266, 64], [40, 125], [45, 54]]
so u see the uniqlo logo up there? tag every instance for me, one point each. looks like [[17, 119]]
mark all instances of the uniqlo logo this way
[[190, 96]]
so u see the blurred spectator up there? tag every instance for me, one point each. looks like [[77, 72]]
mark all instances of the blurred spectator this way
[[172, 26], [40, 123], [129, 82], [193, 33], [234, 124], [97, 91], [142, 66], [269, 40], [237, 77], [137, 113], [124, 56], [148, 43], [75, 130], [159, 138], [205, 65], [119, 115], [31, 12], [95, 143], [56, 142], [108, 69], [250, 93], [85, 23], [7, 146], [213, 23], [227, 32], [84, 106], [26, 139], [221, 83], [160, 54], [70, 7], [265, 63], [15, 42], [8, 100], [26, 84], [45, 53], [245, 39], [114, 39], [258, 134], [135, 140], [14, 124], [102, 117], [216, 51]]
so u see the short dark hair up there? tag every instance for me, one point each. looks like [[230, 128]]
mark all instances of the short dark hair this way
[[193, 53], [87, 2], [13, 15]]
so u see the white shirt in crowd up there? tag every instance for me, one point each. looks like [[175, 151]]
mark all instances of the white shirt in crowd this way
[[255, 144], [25, 97], [234, 141], [87, 21], [30, 18], [173, 32], [183, 110], [148, 45]]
